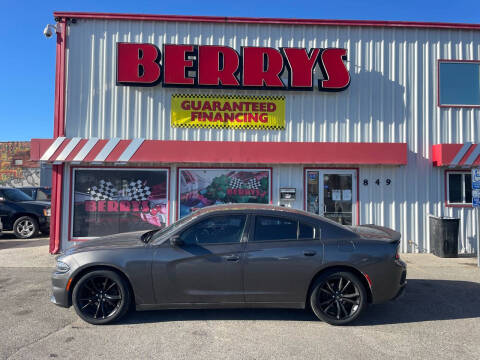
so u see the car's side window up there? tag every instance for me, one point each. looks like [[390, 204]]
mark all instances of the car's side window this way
[[306, 232], [270, 228], [215, 230], [41, 195]]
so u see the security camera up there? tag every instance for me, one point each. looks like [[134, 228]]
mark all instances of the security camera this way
[[49, 30]]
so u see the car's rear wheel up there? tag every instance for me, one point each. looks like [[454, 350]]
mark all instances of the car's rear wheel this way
[[338, 298], [25, 227], [101, 297]]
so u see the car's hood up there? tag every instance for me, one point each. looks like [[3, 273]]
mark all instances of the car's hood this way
[[124, 240], [36, 202]]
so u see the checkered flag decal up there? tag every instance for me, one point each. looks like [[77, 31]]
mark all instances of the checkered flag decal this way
[[251, 184], [137, 191], [235, 183], [105, 191]]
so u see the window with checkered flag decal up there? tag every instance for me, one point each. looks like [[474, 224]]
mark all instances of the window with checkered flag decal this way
[[204, 187], [110, 201]]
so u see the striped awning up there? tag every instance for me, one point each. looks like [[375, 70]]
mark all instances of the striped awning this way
[[107, 151], [94, 150], [456, 155]]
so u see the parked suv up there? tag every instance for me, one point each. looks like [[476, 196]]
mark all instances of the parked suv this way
[[38, 193], [20, 213]]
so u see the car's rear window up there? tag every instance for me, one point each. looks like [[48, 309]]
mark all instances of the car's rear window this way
[[268, 228]]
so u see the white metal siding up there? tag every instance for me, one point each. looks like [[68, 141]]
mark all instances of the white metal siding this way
[[392, 98]]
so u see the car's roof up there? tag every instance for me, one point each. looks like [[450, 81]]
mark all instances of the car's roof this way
[[257, 207]]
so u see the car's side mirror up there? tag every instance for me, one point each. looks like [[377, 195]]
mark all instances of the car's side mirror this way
[[176, 241]]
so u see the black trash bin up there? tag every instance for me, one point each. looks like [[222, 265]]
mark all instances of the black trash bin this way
[[444, 236]]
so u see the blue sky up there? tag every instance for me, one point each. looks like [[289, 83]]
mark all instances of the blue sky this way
[[27, 60]]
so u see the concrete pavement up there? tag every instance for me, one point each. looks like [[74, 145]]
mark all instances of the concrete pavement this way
[[437, 318]]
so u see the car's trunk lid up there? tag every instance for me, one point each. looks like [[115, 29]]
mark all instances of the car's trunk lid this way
[[375, 232]]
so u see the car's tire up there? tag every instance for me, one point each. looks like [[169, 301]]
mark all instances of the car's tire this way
[[338, 297], [25, 227], [101, 297]]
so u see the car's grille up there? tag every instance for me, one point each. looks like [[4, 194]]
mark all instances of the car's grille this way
[[403, 278]]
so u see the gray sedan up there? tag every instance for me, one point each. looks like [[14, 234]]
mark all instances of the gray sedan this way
[[232, 256]]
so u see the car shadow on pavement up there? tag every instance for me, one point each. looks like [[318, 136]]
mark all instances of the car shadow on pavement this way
[[139, 317], [423, 300], [427, 300]]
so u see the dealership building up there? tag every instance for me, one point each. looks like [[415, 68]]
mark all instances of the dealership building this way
[[359, 121]]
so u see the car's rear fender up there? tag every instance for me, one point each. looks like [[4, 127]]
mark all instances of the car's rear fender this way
[[330, 269]]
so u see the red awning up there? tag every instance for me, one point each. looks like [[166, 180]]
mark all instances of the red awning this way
[[97, 151], [456, 155]]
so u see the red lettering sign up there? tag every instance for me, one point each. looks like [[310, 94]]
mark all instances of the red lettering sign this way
[[176, 65], [301, 67], [219, 66], [262, 67], [137, 64], [334, 70]]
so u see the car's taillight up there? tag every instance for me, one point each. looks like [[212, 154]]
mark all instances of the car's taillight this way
[[397, 254]]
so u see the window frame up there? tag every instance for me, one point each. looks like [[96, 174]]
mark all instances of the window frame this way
[[439, 104], [226, 168], [253, 222], [71, 194], [447, 188], [210, 216]]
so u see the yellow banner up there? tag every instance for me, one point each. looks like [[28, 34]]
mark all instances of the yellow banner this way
[[230, 111]]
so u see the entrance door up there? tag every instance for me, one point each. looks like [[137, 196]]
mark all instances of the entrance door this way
[[333, 194]]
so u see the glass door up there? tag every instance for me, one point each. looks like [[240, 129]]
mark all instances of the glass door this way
[[333, 194]]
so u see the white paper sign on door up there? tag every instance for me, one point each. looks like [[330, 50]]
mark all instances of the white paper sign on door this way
[[336, 195], [347, 195]]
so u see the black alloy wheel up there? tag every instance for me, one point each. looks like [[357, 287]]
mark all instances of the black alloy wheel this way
[[101, 297], [338, 298]]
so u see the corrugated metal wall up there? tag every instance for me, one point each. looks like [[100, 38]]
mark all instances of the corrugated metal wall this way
[[392, 98]]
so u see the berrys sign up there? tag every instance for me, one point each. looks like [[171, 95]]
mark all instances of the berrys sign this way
[[221, 66]]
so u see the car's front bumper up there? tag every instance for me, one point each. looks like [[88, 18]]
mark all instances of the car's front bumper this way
[[44, 224], [60, 295]]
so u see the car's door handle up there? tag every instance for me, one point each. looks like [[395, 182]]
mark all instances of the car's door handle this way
[[232, 258], [309, 252]]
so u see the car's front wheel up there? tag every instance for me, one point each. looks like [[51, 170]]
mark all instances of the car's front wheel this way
[[338, 298], [25, 227], [101, 297]]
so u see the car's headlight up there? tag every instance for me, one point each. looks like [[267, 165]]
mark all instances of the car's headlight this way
[[47, 212], [61, 267]]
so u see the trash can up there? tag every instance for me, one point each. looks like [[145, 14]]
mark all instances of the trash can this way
[[444, 236]]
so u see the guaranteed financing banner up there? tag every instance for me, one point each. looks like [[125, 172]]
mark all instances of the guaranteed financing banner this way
[[230, 111]]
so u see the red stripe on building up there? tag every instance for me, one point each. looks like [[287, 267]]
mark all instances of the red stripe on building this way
[[444, 154], [252, 20], [76, 150], [229, 152], [118, 151]]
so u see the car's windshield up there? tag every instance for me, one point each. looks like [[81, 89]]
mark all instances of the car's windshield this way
[[15, 195], [43, 194], [173, 227]]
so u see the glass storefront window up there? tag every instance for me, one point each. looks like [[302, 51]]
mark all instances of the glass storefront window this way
[[312, 192], [111, 201], [331, 193], [337, 202], [199, 188]]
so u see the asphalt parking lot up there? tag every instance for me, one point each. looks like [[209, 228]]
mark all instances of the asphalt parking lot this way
[[437, 318]]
